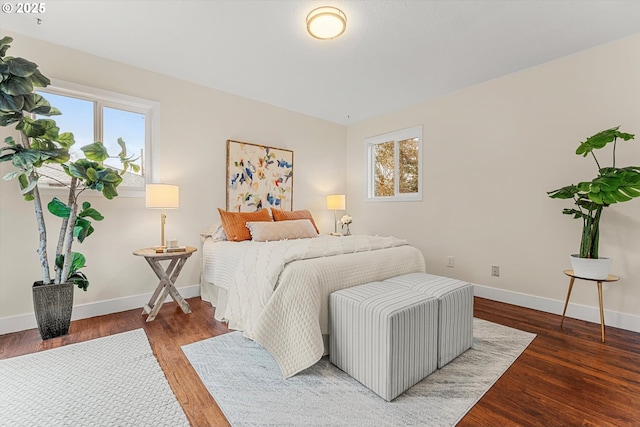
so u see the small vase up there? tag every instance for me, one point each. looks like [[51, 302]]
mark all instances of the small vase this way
[[347, 232]]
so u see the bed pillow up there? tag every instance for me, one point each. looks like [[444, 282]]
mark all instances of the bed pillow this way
[[215, 232], [270, 231], [280, 215], [234, 223]]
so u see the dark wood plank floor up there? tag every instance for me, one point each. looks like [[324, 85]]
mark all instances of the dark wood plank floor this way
[[564, 378]]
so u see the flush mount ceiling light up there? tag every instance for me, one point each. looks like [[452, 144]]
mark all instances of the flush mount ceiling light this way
[[326, 23]]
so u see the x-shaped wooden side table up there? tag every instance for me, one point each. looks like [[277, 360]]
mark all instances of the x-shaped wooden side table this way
[[167, 278]]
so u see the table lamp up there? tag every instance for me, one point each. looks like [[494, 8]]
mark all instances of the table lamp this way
[[336, 202], [162, 196]]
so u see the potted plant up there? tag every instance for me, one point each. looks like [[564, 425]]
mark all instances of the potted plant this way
[[613, 184], [41, 145]]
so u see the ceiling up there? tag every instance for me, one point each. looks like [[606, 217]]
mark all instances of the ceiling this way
[[394, 53]]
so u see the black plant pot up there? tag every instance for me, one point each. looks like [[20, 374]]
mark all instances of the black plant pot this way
[[53, 305]]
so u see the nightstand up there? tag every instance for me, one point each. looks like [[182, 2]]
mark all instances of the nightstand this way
[[167, 278]]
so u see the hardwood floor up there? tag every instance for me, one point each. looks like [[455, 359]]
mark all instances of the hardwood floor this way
[[564, 378]]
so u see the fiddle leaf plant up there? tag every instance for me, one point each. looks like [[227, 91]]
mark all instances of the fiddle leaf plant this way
[[611, 185], [41, 149]]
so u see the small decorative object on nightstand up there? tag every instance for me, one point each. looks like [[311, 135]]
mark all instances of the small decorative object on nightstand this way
[[346, 221], [177, 257], [610, 278]]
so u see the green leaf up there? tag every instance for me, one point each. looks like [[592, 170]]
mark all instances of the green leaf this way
[[66, 139], [597, 198], [36, 104], [30, 186], [5, 44], [38, 128], [11, 175], [9, 117], [10, 141], [109, 191], [96, 152], [601, 139], [619, 196], [16, 86], [564, 193], [59, 209], [82, 229], [111, 176], [79, 279], [123, 148], [88, 211], [9, 103], [21, 67], [39, 80], [92, 174], [77, 262]]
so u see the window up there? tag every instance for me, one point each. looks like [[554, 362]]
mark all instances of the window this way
[[97, 115], [394, 165]]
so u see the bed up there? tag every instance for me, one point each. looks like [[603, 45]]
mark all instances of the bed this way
[[277, 292]]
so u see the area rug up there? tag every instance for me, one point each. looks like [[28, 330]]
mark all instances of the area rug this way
[[110, 381], [247, 384]]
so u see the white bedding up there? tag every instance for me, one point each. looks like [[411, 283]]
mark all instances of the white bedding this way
[[277, 293]]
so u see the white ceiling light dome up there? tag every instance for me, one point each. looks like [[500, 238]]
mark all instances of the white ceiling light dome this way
[[326, 22]]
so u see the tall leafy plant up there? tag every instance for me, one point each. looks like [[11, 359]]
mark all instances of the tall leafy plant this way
[[40, 145], [611, 185]]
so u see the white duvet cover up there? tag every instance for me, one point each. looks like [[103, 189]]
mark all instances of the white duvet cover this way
[[277, 293]]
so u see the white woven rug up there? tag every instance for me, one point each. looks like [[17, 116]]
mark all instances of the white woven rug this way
[[110, 381], [248, 386]]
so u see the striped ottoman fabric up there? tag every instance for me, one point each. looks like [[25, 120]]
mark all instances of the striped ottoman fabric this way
[[455, 311], [384, 336]]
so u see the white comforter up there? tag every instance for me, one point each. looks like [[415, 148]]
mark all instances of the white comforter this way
[[278, 292]]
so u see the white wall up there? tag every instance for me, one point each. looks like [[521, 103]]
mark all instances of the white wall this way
[[195, 123], [491, 152]]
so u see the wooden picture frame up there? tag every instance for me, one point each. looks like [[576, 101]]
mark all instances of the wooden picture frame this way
[[258, 176]]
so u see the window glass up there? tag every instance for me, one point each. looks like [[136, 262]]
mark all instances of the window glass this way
[[394, 166], [384, 178], [408, 165], [76, 117], [95, 115]]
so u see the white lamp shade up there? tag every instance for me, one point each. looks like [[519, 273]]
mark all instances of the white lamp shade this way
[[336, 202], [163, 196], [326, 22]]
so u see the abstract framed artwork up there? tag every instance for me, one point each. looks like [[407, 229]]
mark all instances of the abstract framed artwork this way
[[258, 177]]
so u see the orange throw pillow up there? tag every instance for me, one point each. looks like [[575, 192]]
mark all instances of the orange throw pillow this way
[[235, 223], [280, 215]]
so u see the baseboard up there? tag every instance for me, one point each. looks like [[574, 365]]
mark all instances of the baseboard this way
[[576, 311], [83, 311]]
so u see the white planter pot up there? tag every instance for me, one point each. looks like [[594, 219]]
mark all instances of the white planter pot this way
[[591, 268]]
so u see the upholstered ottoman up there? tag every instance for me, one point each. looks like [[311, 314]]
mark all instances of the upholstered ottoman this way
[[455, 311], [384, 335]]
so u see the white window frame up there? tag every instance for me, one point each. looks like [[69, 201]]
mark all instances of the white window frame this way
[[396, 136], [105, 98]]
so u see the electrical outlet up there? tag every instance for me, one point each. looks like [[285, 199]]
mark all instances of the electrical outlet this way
[[450, 261], [495, 270]]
